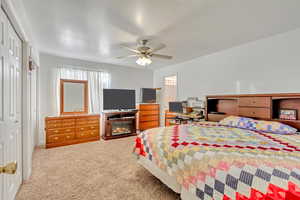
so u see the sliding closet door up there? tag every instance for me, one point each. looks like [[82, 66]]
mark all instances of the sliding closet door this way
[[10, 111]]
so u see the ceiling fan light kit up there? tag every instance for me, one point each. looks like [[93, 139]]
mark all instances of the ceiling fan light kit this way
[[145, 53], [143, 61]]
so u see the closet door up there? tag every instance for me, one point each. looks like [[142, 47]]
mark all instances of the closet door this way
[[10, 111]]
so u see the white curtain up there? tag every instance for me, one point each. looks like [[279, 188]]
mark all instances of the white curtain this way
[[97, 80]]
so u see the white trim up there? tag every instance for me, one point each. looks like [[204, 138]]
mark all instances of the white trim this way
[[37, 106], [25, 115], [85, 68]]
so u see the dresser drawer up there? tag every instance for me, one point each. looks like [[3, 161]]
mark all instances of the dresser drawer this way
[[264, 113], [54, 131], [58, 121], [52, 125], [60, 131], [81, 122], [87, 134], [149, 112], [67, 130], [70, 136], [149, 118], [55, 138], [149, 107], [148, 125], [68, 122], [94, 133], [255, 102], [93, 122], [87, 121], [82, 128], [82, 134], [94, 127]]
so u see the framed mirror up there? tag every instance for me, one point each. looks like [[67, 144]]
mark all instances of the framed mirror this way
[[73, 97]]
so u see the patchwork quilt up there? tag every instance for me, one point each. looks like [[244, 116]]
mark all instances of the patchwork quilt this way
[[212, 161]]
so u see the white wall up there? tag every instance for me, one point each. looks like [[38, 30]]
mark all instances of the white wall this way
[[121, 78], [264, 66]]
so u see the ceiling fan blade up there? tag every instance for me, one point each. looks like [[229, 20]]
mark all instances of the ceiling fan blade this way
[[161, 46], [129, 56], [161, 56], [130, 49]]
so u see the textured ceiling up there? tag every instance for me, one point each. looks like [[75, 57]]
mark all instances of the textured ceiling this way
[[94, 29]]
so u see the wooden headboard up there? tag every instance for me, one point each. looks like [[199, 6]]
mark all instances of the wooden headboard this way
[[259, 106]]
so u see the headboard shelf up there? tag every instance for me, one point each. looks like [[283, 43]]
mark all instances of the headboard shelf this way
[[258, 106], [285, 103]]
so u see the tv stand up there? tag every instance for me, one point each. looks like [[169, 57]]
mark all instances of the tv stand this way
[[118, 124]]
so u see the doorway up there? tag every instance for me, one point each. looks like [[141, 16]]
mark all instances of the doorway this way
[[169, 91]]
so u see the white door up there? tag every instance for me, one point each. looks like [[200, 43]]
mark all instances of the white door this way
[[10, 109]]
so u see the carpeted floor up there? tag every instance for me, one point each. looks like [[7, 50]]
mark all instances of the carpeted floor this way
[[104, 170]]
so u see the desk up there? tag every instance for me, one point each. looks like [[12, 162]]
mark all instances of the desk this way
[[172, 118]]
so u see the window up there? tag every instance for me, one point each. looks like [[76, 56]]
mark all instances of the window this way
[[97, 80], [169, 90]]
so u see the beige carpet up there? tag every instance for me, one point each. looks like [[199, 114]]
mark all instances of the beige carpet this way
[[104, 170]]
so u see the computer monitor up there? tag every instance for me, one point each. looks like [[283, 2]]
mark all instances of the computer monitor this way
[[176, 106]]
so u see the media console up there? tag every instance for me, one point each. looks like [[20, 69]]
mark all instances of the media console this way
[[119, 124]]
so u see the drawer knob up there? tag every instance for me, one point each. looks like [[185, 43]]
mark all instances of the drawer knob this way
[[56, 138]]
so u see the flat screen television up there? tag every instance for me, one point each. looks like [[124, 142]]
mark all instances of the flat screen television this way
[[148, 95], [176, 106], [118, 99]]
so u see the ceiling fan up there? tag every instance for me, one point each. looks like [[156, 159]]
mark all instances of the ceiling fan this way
[[144, 52]]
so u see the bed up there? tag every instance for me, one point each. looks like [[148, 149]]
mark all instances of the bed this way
[[212, 161]]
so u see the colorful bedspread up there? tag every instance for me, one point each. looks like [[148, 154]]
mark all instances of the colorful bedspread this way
[[216, 162]]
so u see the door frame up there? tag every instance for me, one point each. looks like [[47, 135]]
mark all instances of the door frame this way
[[162, 109], [10, 12], [163, 82]]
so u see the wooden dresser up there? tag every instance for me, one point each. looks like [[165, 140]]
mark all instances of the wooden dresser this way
[[72, 129], [169, 117], [148, 116], [259, 106]]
